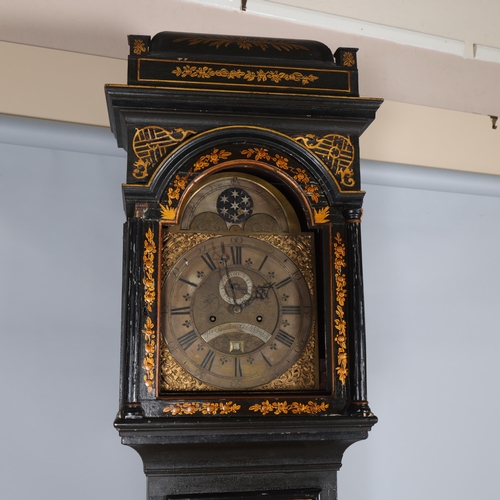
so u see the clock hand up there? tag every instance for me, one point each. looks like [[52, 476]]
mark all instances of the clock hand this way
[[223, 259]]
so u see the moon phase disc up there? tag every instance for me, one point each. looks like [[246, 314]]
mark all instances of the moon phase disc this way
[[234, 205]]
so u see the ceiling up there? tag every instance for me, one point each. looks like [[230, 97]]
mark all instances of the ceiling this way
[[443, 54]]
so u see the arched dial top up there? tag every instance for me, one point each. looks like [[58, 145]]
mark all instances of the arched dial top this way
[[237, 312], [238, 202]]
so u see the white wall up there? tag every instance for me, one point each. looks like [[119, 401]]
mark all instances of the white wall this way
[[431, 284]]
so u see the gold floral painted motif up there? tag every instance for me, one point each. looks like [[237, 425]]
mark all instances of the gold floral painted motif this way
[[149, 359], [321, 215], [139, 47], [278, 407], [298, 174], [340, 322], [148, 260], [211, 159], [205, 73], [204, 408], [336, 151], [169, 211], [149, 298], [242, 42], [151, 144], [348, 59]]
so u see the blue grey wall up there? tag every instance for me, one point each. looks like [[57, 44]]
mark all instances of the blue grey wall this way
[[432, 289], [431, 241]]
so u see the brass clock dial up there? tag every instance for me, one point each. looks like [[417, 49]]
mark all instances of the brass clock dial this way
[[238, 311]]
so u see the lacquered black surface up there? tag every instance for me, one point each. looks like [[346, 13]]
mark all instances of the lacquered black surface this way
[[241, 64]]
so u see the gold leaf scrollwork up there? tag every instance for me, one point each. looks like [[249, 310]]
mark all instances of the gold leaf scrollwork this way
[[348, 59], [148, 260], [336, 151], [298, 174], [204, 408], [139, 47], [151, 144], [149, 359], [242, 42], [300, 376], [279, 407], [149, 298], [341, 294], [261, 75]]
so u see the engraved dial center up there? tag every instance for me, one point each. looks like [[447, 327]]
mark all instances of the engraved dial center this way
[[240, 287]]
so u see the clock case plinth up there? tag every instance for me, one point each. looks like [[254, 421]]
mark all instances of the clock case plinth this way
[[196, 106]]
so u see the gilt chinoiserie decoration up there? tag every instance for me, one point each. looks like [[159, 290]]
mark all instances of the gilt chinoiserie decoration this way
[[243, 338]]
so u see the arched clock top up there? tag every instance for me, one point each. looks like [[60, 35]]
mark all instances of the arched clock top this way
[[318, 171]]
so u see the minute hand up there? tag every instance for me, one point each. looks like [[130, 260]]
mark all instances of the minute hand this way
[[223, 259]]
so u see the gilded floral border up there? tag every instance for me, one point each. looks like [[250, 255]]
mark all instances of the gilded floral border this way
[[264, 408], [278, 407], [149, 297], [204, 408], [261, 75], [180, 182], [340, 322], [176, 187]]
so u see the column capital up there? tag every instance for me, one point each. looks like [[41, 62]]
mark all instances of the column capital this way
[[353, 215]]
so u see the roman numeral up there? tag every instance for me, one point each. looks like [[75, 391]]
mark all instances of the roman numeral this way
[[266, 360], [187, 282], [290, 309], [263, 262], [285, 338], [284, 282], [237, 368], [209, 262], [207, 362], [180, 310], [188, 339], [236, 255]]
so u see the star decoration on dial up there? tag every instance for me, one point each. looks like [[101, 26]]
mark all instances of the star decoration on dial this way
[[234, 205]]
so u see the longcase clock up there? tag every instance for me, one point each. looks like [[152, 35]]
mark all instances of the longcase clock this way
[[243, 336]]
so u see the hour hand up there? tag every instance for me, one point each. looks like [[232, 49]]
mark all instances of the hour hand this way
[[224, 257]]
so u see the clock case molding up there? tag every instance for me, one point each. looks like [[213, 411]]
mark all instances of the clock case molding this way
[[288, 112]]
